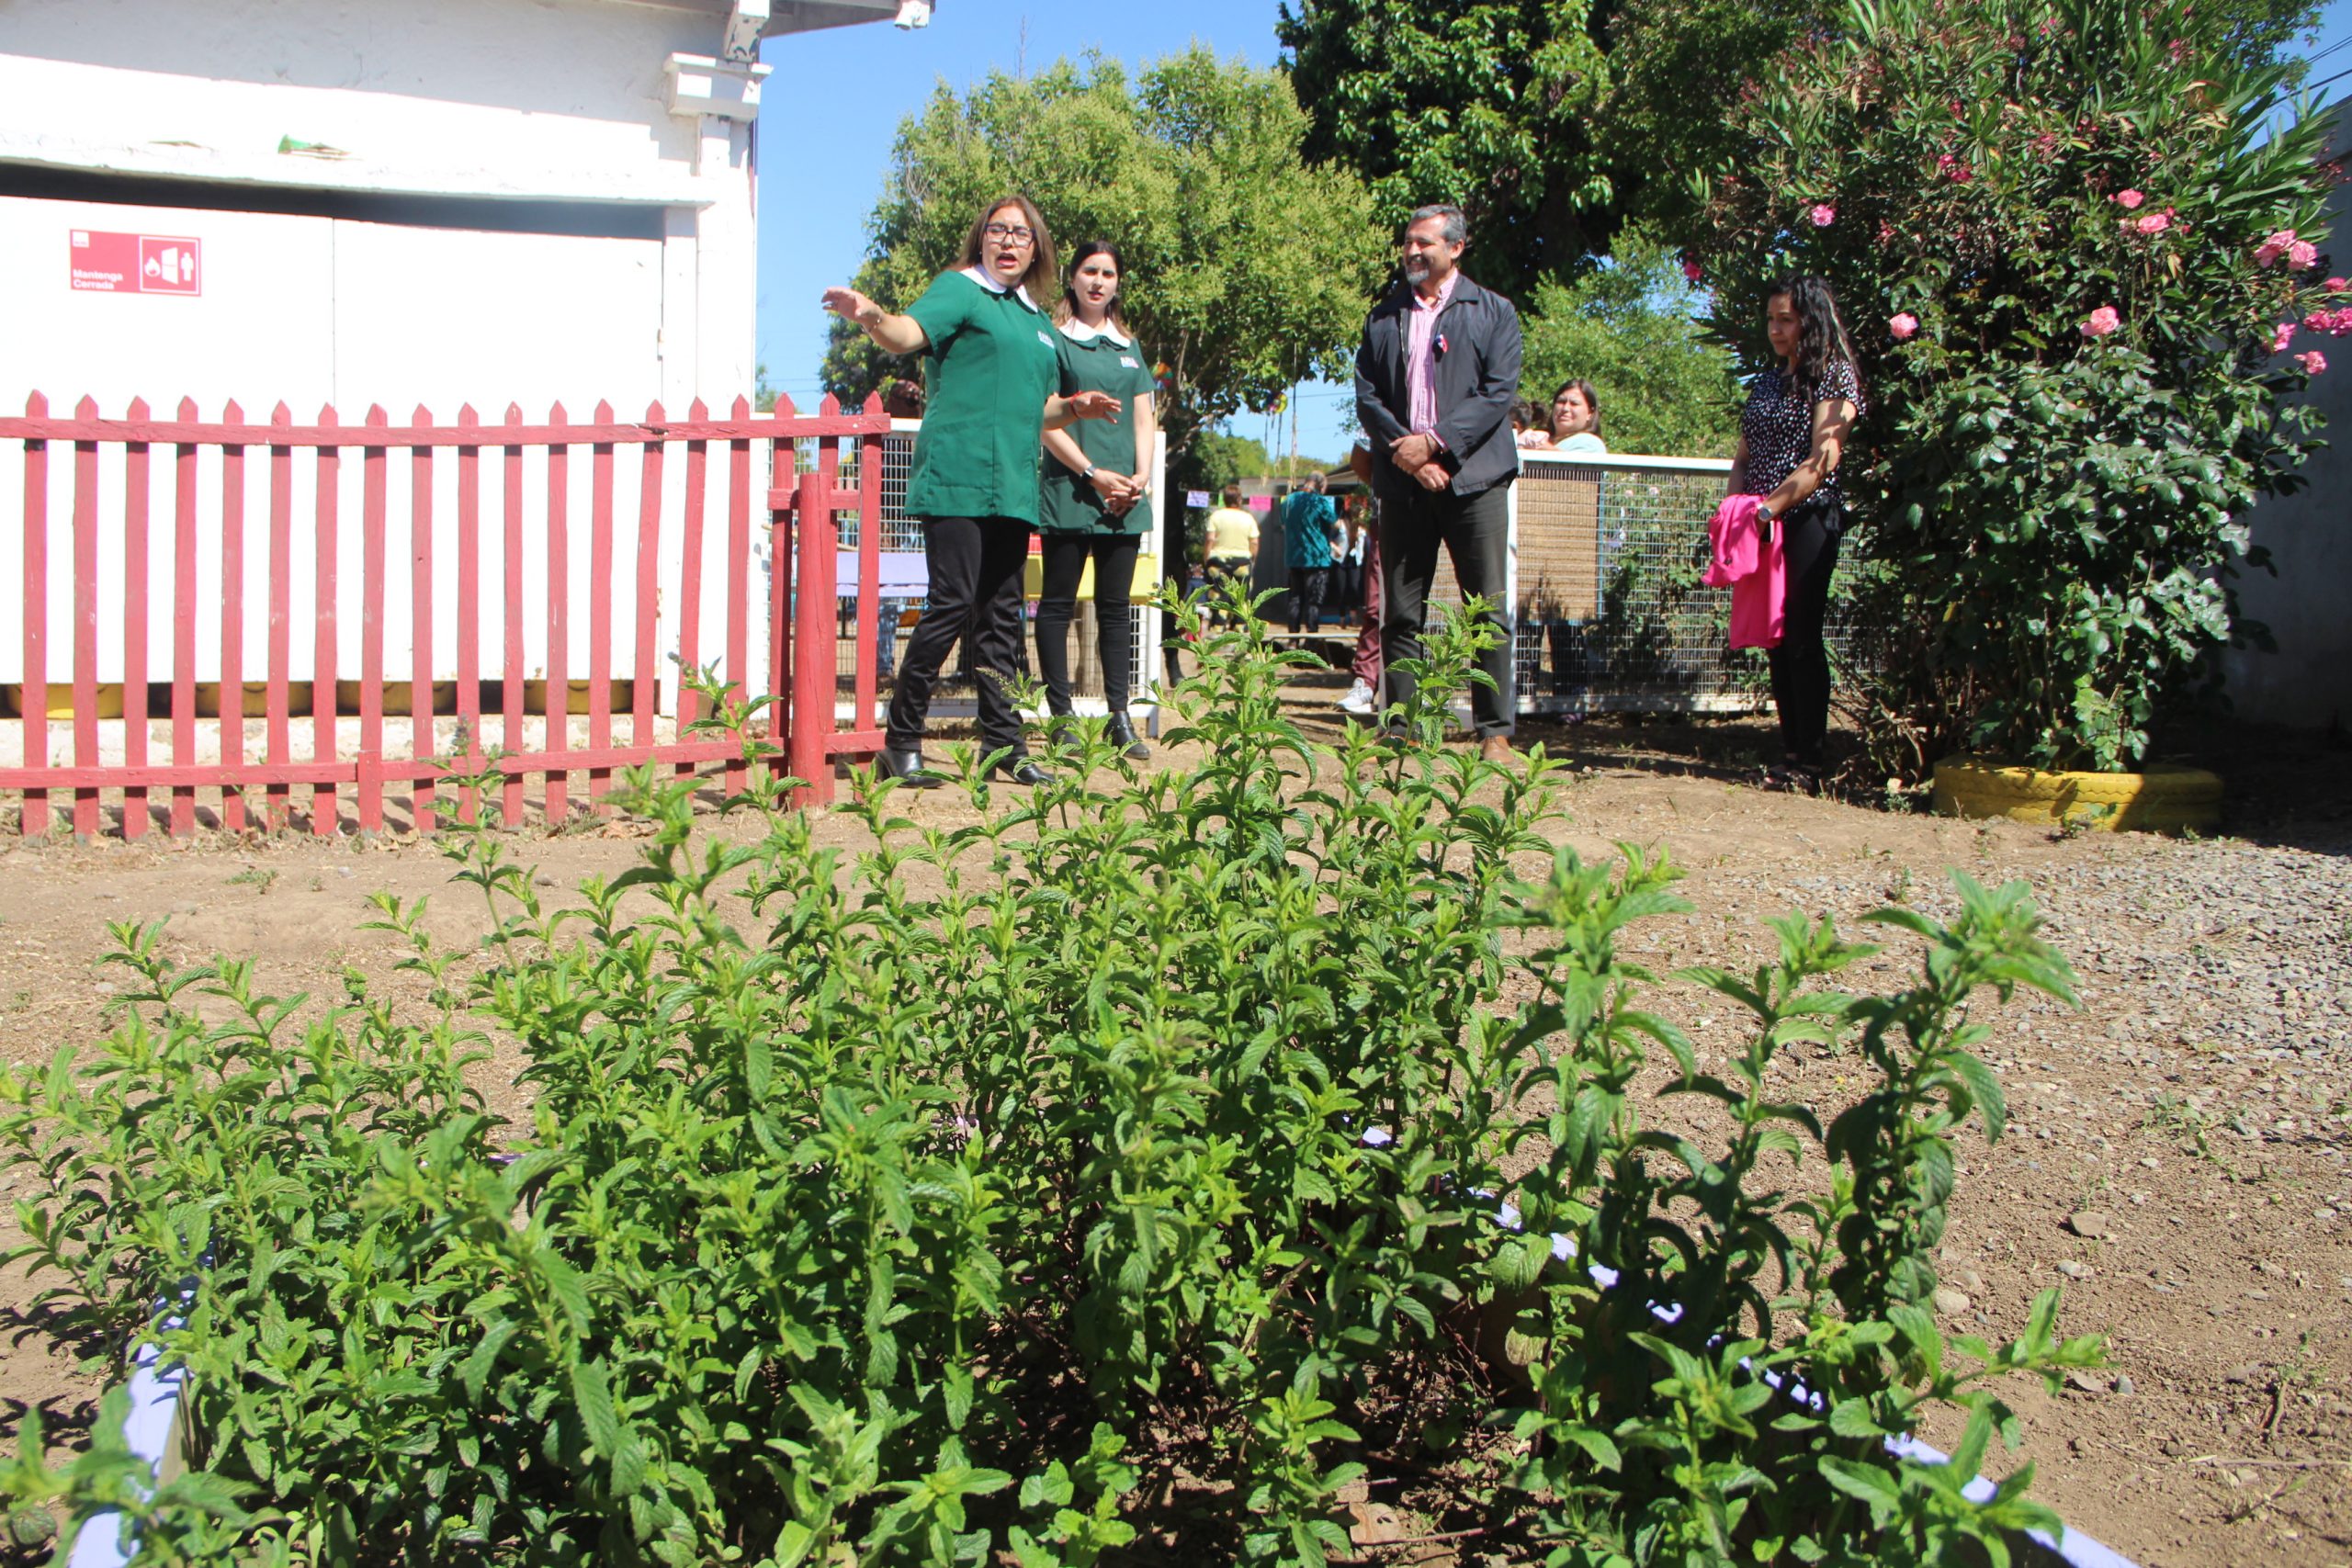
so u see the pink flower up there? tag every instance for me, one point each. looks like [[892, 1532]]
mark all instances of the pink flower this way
[[2154, 222], [2340, 325], [1691, 272], [1903, 326], [2267, 253], [2101, 321], [2313, 363], [2282, 336], [2128, 200], [1823, 215], [2302, 255]]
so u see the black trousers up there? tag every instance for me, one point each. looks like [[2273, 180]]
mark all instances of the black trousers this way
[[1801, 662], [1476, 532], [1114, 580], [1308, 585], [976, 565]]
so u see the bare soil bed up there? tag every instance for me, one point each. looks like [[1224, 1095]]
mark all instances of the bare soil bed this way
[[2180, 1156]]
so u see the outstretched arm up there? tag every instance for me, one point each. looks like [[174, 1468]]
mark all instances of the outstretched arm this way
[[1061, 410], [891, 335]]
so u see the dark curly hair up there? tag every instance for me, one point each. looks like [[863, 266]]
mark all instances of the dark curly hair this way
[[1821, 333]]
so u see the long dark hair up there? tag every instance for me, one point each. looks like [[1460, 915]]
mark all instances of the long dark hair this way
[[1591, 400], [1066, 311], [1821, 333], [1041, 274]]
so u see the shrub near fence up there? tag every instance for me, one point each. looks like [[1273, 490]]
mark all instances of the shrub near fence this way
[[1116, 1178]]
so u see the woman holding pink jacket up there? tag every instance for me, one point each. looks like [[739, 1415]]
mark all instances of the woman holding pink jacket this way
[[1792, 436]]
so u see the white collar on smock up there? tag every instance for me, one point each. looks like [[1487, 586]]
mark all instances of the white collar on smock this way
[[1079, 332], [993, 287]]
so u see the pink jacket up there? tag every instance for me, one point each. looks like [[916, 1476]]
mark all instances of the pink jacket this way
[[1749, 561]]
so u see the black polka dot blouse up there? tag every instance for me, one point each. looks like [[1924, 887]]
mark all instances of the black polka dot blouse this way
[[1777, 424]]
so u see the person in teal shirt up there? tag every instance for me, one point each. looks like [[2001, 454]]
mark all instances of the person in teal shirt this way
[[1308, 517], [1093, 504], [992, 373]]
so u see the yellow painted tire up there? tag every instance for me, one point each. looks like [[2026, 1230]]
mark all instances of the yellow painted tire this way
[[2164, 799]]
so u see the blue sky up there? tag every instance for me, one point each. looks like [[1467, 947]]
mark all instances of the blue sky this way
[[837, 96]]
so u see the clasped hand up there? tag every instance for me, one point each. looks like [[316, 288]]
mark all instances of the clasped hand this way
[[1417, 455], [1119, 491]]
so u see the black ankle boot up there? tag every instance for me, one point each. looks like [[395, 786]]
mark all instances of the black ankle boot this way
[[1122, 734], [1022, 770], [906, 767]]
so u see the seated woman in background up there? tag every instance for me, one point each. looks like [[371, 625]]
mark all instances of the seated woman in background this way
[[1576, 419]]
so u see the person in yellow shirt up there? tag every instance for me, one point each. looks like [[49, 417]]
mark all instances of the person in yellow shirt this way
[[1232, 544]]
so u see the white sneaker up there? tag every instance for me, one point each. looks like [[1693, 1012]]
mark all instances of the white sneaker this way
[[1359, 701]]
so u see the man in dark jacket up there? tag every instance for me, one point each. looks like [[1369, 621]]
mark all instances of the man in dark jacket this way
[[1435, 380]]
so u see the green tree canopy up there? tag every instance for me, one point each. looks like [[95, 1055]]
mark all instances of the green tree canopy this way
[[1551, 122], [1486, 103], [1248, 269], [1665, 386]]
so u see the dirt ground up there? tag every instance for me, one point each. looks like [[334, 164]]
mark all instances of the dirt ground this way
[[2178, 1161]]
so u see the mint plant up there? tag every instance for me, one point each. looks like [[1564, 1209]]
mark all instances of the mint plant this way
[[1125, 1168]]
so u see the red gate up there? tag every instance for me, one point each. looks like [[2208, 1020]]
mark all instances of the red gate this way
[[452, 665]]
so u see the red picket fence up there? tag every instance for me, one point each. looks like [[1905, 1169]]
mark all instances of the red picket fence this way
[[211, 466]]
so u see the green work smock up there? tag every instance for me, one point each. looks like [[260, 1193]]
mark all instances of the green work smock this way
[[992, 365], [1098, 360]]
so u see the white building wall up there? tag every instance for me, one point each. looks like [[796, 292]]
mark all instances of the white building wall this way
[[457, 149]]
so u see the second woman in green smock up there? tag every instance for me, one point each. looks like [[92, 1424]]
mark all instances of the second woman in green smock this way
[[1094, 504]]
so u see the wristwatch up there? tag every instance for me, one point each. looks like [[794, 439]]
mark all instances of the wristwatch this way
[[1088, 474]]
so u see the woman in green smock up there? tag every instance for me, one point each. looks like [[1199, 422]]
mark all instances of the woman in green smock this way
[[992, 366], [1094, 505]]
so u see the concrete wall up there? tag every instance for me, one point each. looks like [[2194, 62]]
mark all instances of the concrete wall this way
[[2308, 605]]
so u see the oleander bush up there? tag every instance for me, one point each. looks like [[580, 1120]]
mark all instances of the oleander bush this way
[[1118, 1179], [2081, 248]]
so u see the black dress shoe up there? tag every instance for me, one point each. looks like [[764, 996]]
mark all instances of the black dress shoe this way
[[1022, 770], [1122, 734], [906, 767]]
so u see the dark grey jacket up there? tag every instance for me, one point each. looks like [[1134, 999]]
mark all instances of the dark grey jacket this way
[[1477, 381]]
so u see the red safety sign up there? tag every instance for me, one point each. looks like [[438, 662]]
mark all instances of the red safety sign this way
[[136, 263]]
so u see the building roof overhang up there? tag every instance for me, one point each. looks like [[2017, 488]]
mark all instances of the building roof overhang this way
[[749, 20]]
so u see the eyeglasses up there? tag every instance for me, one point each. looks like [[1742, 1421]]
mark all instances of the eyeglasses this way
[[1019, 233]]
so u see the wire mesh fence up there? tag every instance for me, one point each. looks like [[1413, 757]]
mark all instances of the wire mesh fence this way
[[1612, 615], [901, 589]]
